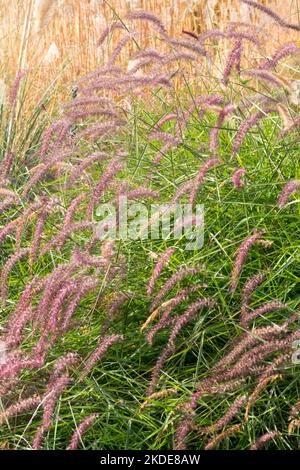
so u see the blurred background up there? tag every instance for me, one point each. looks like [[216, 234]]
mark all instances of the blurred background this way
[[56, 40]]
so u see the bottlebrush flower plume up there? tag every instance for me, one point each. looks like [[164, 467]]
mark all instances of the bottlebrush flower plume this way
[[230, 413], [214, 133], [269, 436], [290, 188], [150, 17], [84, 164], [15, 87], [58, 128], [272, 14], [220, 437], [241, 256], [54, 390], [82, 428], [118, 49], [236, 178], [7, 269], [63, 363], [109, 29], [177, 277], [248, 123], [262, 384], [265, 76], [250, 286], [181, 433], [284, 51], [233, 60], [164, 258], [167, 308], [187, 316], [199, 50], [22, 405], [201, 175], [272, 306], [103, 345]]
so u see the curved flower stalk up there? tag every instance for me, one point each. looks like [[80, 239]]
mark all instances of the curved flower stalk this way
[[114, 167], [7, 269], [267, 77], [290, 188], [93, 112], [187, 423], [214, 133], [250, 359], [226, 418], [158, 395], [17, 224], [54, 389], [269, 436], [177, 277], [114, 308], [108, 30], [246, 125], [229, 34], [201, 175], [181, 433], [38, 230], [13, 94], [241, 256], [82, 428], [281, 53], [95, 131], [248, 340], [68, 220], [128, 83], [88, 285], [118, 49], [41, 170], [58, 241], [60, 129], [103, 345], [181, 321], [190, 45], [162, 261], [272, 14], [84, 102], [262, 384], [233, 61], [62, 364], [6, 165], [223, 435], [22, 405], [250, 286], [150, 18], [148, 53], [167, 307], [78, 170], [205, 101], [236, 178], [261, 312], [164, 119]]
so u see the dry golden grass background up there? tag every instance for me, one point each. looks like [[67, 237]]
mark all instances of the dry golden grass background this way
[[56, 39]]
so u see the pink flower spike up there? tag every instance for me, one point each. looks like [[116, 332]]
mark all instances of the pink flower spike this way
[[290, 188], [236, 178], [100, 350], [272, 14], [261, 441], [163, 259], [83, 426]]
